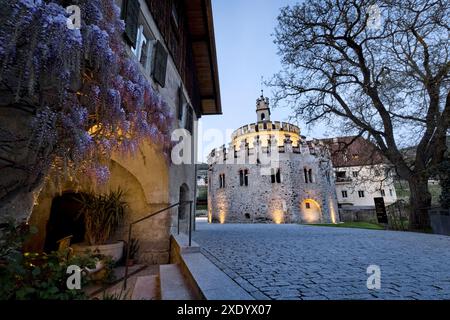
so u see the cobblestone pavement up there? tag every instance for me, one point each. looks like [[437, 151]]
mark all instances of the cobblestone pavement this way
[[308, 262]]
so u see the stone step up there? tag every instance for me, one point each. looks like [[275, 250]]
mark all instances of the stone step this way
[[96, 290], [146, 288], [173, 284]]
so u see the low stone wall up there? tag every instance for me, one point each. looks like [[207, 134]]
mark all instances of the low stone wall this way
[[361, 215], [440, 221]]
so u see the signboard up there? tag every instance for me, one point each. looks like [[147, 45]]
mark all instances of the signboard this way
[[380, 210]]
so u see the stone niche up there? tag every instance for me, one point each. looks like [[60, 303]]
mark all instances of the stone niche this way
[[144, 179]]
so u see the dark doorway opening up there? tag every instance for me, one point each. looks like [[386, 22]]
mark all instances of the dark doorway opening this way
[[65, 220], [184, 196]]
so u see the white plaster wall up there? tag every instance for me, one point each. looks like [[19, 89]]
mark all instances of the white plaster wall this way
[[368, 182]]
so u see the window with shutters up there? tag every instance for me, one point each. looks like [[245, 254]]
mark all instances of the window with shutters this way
[[144, 52], [160, 64], [130, 14], [141, 49]]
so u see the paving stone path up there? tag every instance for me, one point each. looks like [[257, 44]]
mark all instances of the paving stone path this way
[[308, 262]]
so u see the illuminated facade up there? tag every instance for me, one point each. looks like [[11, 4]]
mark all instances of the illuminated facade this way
[[270, 173]]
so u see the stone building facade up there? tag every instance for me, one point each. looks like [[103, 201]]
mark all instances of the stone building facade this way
[[270, 173], [173, 40], [362, 173]]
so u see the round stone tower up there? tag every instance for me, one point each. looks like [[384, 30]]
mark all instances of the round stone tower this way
[[270, 173]]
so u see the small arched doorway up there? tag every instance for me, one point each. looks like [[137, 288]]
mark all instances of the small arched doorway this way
[[183, 209], [311, 211], [65, 220]]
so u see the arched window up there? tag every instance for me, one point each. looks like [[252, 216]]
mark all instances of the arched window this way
[[221, 180], [275, 176], [263, 116], [243, 177]]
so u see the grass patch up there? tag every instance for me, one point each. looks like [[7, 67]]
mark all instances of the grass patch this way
[[358, 225]]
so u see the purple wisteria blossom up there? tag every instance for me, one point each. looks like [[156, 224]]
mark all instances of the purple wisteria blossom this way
[[89, 96]]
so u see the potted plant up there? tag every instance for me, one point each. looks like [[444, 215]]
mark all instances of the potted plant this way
[[102, 215], [133, 250]]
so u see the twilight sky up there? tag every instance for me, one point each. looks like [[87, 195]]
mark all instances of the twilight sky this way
[[245, 51]]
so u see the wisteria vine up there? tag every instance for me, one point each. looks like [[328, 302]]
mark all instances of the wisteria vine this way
[[90, 98]]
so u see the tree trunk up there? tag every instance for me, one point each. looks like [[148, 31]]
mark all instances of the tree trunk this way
[[23, 158], [420, 201]]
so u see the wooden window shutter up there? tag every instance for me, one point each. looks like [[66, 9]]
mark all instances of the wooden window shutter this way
[[130, 14], [160, 64]]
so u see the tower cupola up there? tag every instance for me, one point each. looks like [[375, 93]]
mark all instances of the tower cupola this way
[[262, 108]]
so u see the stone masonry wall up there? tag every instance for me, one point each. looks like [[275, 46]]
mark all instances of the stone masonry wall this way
[[264, 201]]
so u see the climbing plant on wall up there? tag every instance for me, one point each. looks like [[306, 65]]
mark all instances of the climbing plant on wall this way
[[83, 94]]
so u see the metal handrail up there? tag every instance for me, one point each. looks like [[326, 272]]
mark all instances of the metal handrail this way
[[130, 228]]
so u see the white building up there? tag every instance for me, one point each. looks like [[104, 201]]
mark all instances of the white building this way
[[361, 172]]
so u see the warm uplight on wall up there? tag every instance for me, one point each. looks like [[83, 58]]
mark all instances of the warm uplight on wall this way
[[222, 216], [311, 211], [332, 211], [209, 216], [277, 216]]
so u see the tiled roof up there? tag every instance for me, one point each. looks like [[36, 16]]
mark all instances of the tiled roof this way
[[353, 151]]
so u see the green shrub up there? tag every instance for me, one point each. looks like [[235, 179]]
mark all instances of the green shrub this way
[[26, 276], [103, 213]]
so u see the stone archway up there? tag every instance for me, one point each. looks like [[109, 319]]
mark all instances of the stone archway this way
[[311, 212], [65, 220], [183, 209], [144, 177]]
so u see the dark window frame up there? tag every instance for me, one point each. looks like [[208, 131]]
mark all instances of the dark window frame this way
[[130, 14]]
